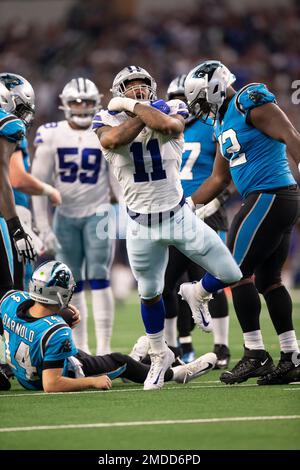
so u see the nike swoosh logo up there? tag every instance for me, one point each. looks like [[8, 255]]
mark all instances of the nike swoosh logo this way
[[65, 334], [157, 378], [263, 363], [205, 323]]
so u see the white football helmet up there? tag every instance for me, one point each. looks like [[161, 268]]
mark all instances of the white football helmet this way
[[80, 90], [205, 88], [130, 73], [176, 88], [20, 97], [52, 283]]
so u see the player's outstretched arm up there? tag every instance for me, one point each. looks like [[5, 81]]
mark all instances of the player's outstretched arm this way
[[7, 202], [216, 183], [271, 120], [53, 382], [113, 137], [27, 183]]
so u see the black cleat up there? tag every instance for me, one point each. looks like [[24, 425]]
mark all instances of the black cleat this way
[[255, 363], [4, 382], [223, 356], [287, 371]]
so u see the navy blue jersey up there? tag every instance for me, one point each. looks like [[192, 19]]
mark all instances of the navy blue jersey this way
[[198, 156], [31, 342], [11, 127], [22, 199], [257, 162]]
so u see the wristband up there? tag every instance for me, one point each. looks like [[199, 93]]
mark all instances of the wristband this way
[[47, 189], [14, 224]]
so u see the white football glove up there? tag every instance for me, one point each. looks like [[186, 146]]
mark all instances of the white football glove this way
[[208, 209], [122, 104], [50, 242]]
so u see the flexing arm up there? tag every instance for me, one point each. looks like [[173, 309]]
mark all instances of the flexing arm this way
[[29, 184], [158, 121], [53, 381], [271, 120], [7, 202], [113, 137], [216, 183]]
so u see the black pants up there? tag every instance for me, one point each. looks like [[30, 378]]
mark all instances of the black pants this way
[[6, 281], [135, 371], [260, 232]]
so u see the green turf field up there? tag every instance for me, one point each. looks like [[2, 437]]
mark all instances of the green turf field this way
[[203, 414]]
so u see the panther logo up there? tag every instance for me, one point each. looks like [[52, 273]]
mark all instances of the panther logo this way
[[11, 82]]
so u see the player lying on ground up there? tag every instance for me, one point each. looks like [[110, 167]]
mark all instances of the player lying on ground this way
[[40, 348]]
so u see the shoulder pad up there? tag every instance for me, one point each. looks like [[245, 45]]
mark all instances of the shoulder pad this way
[[253, 95], [44, 133], [11, 127], [104, 118]]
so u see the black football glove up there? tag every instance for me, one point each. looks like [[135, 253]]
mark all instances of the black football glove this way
[[23, 242]]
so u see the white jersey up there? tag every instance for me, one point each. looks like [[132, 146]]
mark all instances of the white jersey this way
[[148, 168], [71, 159]]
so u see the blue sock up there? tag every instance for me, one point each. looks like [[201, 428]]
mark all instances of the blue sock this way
[[153, 316], [212, 284]]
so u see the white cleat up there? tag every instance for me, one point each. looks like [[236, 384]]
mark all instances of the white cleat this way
[[198, 305], [140, 349], [159, 364], [185, 373]]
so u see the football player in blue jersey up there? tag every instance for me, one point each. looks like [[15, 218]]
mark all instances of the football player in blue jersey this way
[[25, 184], [16, 111], [197, 165], [253, 135], [40, 349]]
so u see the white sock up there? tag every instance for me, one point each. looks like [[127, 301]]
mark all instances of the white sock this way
[[288, 341], [80, 331], [201, 291], [220, 330], [171, 331], [157, 342], [185, 339], [103, 311], [253, 340]]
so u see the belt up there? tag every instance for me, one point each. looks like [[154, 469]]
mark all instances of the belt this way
[[155, 218]]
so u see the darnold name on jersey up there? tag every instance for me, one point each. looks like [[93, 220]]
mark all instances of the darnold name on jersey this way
[[18, 328]]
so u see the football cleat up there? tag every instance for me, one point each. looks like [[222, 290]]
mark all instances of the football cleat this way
[[140, 349], [285, 372], [187, 372], [223, 356], [159, 364], [254, 363], [198, 305]]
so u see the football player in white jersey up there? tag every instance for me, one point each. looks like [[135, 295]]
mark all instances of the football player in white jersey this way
[[68, 155], [141, 137]]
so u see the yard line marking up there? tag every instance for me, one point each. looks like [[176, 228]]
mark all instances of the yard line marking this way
[[149, 423], [297, 388], [132, 389]]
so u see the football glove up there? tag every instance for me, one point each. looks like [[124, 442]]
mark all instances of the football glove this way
[[213, 206], [161, 105], [22, 241]]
